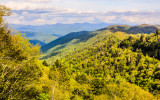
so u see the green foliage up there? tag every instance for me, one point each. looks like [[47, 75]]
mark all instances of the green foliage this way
[[119, 66], [98, 86], [45, 63], [125, 91], [82, 78], [43, 96], [19, 70]]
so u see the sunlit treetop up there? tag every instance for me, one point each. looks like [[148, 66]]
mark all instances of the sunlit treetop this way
[[4, 11]]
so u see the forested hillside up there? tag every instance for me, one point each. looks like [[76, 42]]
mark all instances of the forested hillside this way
[[113, 68], [76, 40], [66, 39], [109, 65]]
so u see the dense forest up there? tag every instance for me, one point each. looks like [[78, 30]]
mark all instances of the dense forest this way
[[21, 72], [100, 65]]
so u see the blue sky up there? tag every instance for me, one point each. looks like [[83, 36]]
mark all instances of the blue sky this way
[[39, 12], [107, 5]]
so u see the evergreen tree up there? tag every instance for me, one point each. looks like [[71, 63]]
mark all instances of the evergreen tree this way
[[45, 63]]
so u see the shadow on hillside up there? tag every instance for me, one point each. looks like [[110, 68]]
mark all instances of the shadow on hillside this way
[[50, 55], [58, 48], [85, 38], [82, 36]]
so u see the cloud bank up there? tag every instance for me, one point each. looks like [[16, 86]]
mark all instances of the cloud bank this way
[[39, 14]]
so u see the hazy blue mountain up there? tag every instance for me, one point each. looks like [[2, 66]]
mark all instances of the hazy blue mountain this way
[[44, 38], [29, 34], [60, 29], [34, 42]]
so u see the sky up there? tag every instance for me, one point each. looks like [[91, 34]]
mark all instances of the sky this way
[[40, 12]]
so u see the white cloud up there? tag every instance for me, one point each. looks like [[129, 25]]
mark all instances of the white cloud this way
[[40, 17], [106, 18], [26, 6], [45, 1], [141, 17], [38, 1]]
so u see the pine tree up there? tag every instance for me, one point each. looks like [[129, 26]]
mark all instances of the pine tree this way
[[45, 63]]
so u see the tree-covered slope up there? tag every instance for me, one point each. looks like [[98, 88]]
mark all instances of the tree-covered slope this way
[[66, 39], [101, 64], [83, 38], [109, 69], [119, 55], [73, 41]]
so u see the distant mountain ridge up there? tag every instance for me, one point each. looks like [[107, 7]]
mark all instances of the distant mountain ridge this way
[[48, 33], [144, 28], [36, 37], [60, 29]]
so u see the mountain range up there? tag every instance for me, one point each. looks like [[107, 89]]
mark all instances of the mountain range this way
[[44, 34], [143, 29], [60, 29], [77, 40]]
